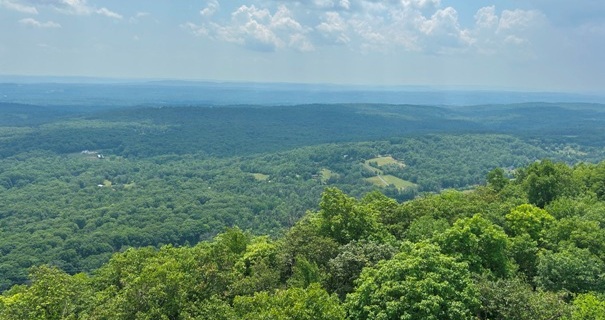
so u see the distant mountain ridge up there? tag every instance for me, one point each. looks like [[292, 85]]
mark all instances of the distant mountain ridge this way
[[124, 92]]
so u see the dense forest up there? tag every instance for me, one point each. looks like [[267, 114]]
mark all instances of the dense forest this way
[[185, 212], [526, 248]]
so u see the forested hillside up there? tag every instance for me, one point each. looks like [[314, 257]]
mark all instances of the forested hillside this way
[[75, 210], [78, 185], [526, 248]]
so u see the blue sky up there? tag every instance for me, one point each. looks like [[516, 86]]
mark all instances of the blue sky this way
[[552, 45]]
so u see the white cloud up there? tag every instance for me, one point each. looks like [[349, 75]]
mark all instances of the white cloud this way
[[252, 27], [445, 34], [518, 19], [195, 29], [35, 23], [345, 4], [422, 4], [334, 28], [486, 18], [367, 25], [71, 7], [511, 30], [108, 13], [76, 7], [257, 29], [18, 7], [210, 8]]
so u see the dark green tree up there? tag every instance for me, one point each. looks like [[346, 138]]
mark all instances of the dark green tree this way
[[545, 181], [497, 179]]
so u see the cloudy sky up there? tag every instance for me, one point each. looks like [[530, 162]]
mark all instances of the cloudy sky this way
[[555, 45]]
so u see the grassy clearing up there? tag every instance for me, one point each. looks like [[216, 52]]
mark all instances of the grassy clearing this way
[[368, 167], [129, 186], [260, 176], [326, 174], [383, 161], [383, 181]]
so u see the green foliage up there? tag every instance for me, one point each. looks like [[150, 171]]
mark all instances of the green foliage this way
[[345, 268], [480, 243], [52, 294], [344, 219], [572, 269], [418, 283], [514, 299], [545, 181], [528, 219], [294, 303], [460, 263], [257, 269], [497, 179], [592, 176], [524, 250], [579, 232], [305, 273], [588, 307], [157, 288], [167, 181], [304, 241], [424, 228]]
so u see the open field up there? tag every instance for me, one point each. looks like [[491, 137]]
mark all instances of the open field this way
[[260, 176], [383, 181], [383, 161], [326, 174]]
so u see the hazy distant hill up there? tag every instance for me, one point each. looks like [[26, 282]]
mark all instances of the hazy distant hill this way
[[108, 92]]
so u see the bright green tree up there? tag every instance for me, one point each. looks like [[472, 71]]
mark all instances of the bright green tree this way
[[480, 243], [528, 219], [52, 294], [418, 283], [344, 219], [588, 306], [312, 303]]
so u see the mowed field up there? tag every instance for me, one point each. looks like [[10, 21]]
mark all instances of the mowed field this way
[[383, 161], [385, 180]]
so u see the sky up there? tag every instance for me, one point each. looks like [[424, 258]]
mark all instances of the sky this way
[[534, 45]]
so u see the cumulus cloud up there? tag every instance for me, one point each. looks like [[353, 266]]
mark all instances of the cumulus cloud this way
[[518, 19], [508, 30], [345, 4], [390, 25], [195, 29], [210, 8], [334, 28], [35, 23], [444, 33], [486, 18], [257, 29], [16, 6]]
